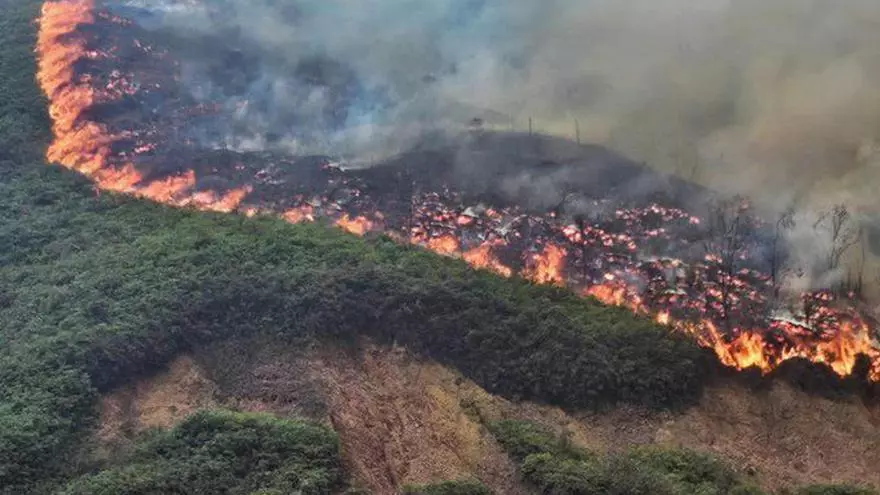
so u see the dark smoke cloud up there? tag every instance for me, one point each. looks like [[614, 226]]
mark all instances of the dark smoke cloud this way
[[780, 97]]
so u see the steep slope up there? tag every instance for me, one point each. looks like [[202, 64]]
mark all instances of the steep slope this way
[[403, 421]]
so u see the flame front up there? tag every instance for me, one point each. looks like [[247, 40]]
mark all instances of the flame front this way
[[834, 337], [358, 226], [547, 266], [86, 146], [481, 257]]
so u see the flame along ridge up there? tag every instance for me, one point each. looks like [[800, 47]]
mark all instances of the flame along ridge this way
[[85, 146]]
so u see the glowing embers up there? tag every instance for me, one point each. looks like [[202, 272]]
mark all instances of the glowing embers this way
[[724, 311], [85, 146], [359, 225]]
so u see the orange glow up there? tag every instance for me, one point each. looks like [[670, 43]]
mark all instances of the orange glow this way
[[546, 267], [298, 215], [168, 190], [662, 318], [446, 245], [616, 294], [357, 226], [226, 202], [86, 147], [481, 257]]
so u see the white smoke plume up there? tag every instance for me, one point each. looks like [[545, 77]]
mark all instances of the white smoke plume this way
[[780, 97]]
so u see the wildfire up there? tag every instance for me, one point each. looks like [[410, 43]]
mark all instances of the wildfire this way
[[839, 350], [446, 245], [85, 146], [298, 215], [481, 257], [722, 311], [547, 266], [613, 294], [357, 226]]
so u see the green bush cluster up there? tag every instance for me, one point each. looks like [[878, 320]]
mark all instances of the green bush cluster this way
[[555, 467], [220, 452]]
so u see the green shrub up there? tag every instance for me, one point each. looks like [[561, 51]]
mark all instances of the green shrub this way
[[221, 452], [834, 490], [556, 468], [687, 467], [455, 487], [521, 439]]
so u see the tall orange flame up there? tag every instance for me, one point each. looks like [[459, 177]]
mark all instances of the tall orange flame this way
[[85, 146], [481, 257], [547, 266]]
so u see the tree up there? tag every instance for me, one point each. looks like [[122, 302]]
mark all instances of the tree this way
[[727, 232], [784, 222], [843, 234]]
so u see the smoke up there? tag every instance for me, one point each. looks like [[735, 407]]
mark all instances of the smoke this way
[[780, 98]]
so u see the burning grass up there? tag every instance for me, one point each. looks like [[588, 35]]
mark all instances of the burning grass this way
[[721, 299], [96, 290]]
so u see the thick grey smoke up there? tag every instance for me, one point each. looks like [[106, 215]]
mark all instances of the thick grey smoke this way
[[778, 96]]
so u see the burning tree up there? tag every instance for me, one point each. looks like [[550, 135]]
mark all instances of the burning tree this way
[[728, 228]]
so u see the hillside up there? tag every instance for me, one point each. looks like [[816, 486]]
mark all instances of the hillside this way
[[100, 293], [402, 420]]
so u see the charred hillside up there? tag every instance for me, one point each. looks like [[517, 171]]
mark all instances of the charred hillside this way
[[126, 115], [158, 246]]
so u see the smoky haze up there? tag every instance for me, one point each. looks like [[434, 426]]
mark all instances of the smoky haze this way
[[780, 97]]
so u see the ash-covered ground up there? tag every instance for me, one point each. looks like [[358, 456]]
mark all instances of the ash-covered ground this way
[[187, 122]]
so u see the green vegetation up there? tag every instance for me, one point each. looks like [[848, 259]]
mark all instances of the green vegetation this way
[[456, 487], [220, 452], [521, 439], [97, 289], [834, 490], [555, 467]]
